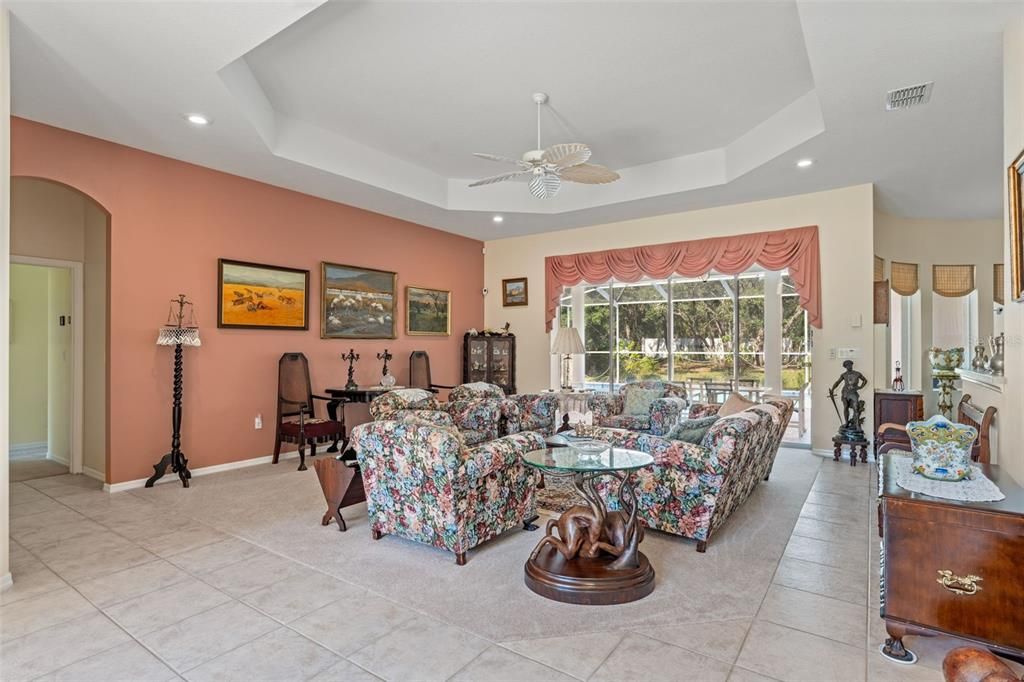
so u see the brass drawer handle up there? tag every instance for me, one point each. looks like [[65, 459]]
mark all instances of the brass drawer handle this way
[[966, 584]]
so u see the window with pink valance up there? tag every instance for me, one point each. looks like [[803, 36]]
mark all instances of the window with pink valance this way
[[795, 249]]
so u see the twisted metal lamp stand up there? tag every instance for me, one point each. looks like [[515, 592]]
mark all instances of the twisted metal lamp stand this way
[[175, 458], [181, 329]]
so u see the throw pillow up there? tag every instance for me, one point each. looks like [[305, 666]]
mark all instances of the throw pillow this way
[[733, 404], [638, 400], [691, 430]]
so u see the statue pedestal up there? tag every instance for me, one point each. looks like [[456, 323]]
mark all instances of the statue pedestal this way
[[855, 443]]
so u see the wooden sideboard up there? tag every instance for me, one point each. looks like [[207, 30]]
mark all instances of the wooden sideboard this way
[[951, 567]]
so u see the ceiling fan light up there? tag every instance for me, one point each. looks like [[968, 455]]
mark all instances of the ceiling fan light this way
[[545, 185]]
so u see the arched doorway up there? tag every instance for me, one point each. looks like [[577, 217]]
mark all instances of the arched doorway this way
[[60, 330]]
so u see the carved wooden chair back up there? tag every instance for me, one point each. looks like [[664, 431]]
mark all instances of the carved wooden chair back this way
[[969, 413], [294, 393], [419, 372]]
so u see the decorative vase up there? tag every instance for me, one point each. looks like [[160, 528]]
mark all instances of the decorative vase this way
[[945, 360], [995, 363], [980, 361], [941, 449], [388, 380]]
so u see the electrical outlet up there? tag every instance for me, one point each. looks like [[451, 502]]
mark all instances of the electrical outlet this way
[[831, 353], [258, 422]]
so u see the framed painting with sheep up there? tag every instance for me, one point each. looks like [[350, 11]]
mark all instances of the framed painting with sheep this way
[[256, 296], [357, 303]]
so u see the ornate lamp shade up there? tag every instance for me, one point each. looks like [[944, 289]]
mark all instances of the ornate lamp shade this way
[[172, 336], [181, 326], [567, 342]]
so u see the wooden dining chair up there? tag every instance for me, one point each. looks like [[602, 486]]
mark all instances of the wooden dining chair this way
[[419, 372], [295, 399]]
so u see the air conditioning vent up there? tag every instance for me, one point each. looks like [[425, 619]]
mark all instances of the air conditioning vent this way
[[911, 96]]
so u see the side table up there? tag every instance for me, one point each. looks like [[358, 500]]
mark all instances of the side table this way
[[342, 484]]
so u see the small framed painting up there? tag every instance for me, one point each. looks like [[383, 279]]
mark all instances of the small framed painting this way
[[357, 303], [256, 296], [515, 292], [428, 312], [1014, 176]]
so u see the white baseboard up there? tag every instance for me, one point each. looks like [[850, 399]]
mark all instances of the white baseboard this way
[[822, 452], [27, 449], [92, 473], [5, 582], [60, 460], [201, 471]]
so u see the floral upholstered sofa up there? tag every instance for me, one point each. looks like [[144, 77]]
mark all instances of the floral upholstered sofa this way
[[691, 490], [477, 420], [646, 406], [521, 412], [776, 407], [424, 483]]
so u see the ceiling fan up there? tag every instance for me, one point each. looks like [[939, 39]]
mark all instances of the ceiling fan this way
[[546, 168]]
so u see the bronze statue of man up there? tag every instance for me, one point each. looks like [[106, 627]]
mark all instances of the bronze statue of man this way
[[852, 381]]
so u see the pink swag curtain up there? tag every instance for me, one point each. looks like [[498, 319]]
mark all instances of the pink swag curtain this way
[[795, 248]]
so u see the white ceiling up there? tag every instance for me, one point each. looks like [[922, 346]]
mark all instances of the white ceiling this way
[[380, 104]]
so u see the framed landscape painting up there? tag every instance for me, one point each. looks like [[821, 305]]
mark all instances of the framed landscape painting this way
[[514, 292], [256, 296], [356, 303], [428, 312]]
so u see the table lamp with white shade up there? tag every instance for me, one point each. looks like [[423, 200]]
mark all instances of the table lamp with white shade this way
[[567, 343]]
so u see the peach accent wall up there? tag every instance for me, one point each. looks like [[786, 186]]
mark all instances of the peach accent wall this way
[[170, 222]]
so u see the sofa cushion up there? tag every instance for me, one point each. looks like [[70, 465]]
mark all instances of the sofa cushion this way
[[733, 404], [627, 421], [638, 400], [691, 430]]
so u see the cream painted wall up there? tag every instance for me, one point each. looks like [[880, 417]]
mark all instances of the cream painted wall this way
[[938, 242], [845, 220], [49, 220], [94, 409], [27, 391], [1011, 432], [59, 365]]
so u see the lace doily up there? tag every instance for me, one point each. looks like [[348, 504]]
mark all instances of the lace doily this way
[[976, 488]]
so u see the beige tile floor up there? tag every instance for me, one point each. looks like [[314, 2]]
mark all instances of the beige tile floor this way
[[106, 589]]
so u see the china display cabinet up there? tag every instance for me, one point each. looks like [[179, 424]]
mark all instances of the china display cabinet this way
[[490, 358]]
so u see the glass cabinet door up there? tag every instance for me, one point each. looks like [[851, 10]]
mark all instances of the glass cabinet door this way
[[478, 359], [501, 361]]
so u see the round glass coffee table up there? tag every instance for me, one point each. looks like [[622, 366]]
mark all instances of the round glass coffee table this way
[[590, 554]]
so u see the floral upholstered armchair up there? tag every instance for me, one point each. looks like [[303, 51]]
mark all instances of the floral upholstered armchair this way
[[521, 412], [691, 490], [646, 406], [478, 420], [777, 408], [424, 483]]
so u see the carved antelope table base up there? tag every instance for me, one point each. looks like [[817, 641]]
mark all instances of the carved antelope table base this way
[[590, 555]]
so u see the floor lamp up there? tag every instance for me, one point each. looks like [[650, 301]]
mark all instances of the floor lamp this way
[[181, 330], [567, 343]]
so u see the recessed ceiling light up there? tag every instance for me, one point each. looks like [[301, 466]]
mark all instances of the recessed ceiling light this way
[[498, 219], [804, 163], [197, 119]]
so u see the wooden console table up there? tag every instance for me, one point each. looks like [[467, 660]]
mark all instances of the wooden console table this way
[[951, 567]]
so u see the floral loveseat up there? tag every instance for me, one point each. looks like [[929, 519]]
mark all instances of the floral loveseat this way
[[477, 420], [777, 408], [424, 483], [690, 490], [610, 408], [522, 412]]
